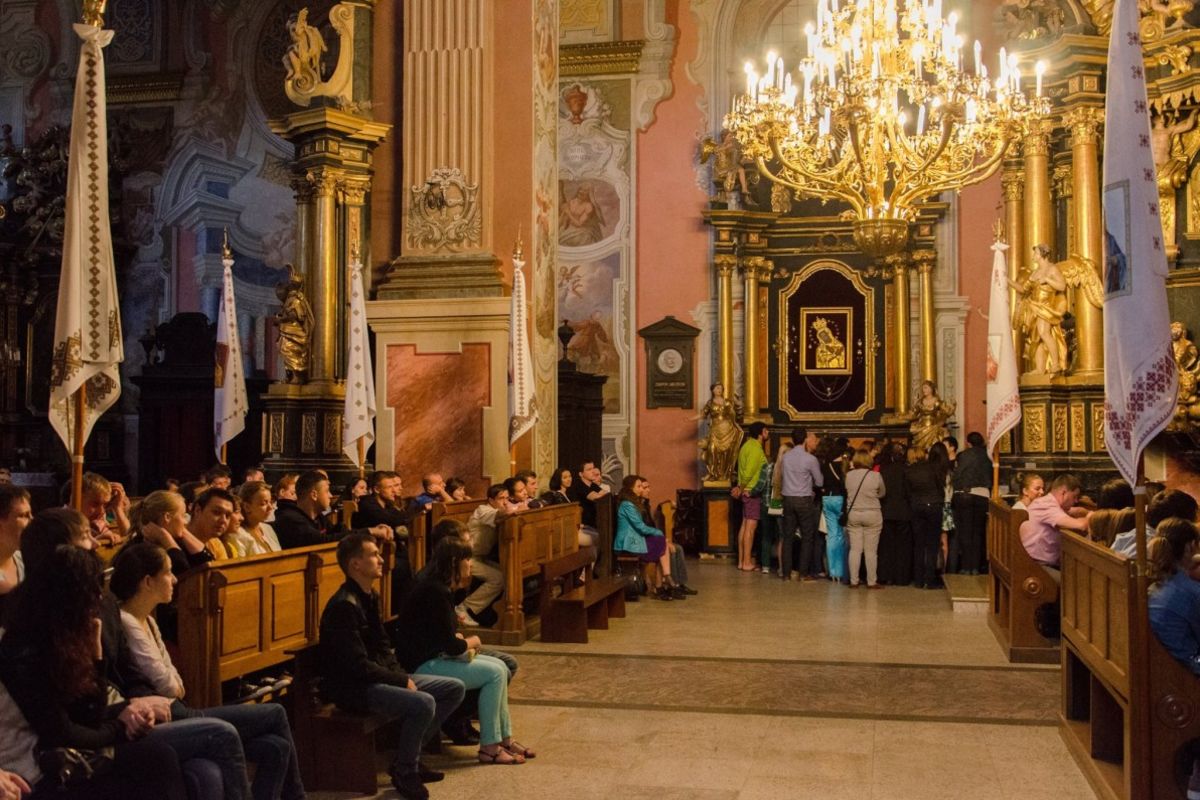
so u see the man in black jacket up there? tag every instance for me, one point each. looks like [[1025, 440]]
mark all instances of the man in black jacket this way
[[972, 480], [360, 670], [381, 507], [304, 523]]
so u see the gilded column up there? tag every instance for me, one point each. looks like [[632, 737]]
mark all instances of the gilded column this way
[[352, 194], [1084, 125], [321, 279], [1039, 206], [753, 268], [925, 261], [899, 265], [1013, 184], [725, 264]]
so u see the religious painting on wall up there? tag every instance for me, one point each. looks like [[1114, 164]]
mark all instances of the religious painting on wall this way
[[826, 358], [585, 301]]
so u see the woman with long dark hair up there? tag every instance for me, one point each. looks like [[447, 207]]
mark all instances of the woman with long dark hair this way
[[431, 645], [50, 667], [926, 484], [645, 541]]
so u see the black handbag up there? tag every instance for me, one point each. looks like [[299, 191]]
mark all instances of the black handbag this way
[[67, 767], [844, 517]]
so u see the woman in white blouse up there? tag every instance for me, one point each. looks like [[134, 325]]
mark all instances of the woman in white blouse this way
[[141, 580], [255, 537]]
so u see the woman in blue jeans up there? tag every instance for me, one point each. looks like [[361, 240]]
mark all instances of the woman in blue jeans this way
[[431, 645], [833, 499], [142, 580]]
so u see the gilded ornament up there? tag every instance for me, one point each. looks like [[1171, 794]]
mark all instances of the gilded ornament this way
[[729, 171], [1178, 56], [1187, 360], [444, 213], [1043, 302], [1078, 428], [1033, 428], [929, 415], [1030, 19], [719, 449], [1059, 427], [305, 60], [1174, 142]]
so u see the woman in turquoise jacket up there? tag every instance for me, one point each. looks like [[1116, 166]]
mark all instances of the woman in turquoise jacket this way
[[645, 541]]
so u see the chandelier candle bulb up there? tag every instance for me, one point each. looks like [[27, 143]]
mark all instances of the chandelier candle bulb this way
[[1040, 71], [978, 58]]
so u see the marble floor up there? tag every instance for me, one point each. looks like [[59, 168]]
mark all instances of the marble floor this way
[[759, 688]]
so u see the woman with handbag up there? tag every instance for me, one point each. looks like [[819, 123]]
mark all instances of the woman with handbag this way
[[833, 504], [79, 744], [864, 518], [645, 541]]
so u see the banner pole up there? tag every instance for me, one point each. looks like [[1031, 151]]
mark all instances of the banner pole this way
[[77, 450]]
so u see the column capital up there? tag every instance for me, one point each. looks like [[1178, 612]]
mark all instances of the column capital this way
[[302, 189], [353, 191], [1037, 140], [323, 180], [758, 267], [1084, 124], [925, 260], [1012, 184], [725, 264]]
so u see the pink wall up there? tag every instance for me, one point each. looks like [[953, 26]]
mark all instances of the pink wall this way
[[978, 208], [673, 271]]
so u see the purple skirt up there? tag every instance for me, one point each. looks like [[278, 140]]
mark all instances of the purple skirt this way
[[656, 547]]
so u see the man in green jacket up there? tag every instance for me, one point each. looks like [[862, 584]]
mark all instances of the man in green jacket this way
[[752, 460]]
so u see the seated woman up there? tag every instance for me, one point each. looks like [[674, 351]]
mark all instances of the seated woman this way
[[645, 541], [1032, 486], [141, 581], [1175, 597], [457, 489], [431, 645], [50, 667], [678, 563], [255, 536], [560, 482], [162, 518]]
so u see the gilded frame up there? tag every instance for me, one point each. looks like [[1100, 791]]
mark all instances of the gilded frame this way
[[845, 316], [783, 348]]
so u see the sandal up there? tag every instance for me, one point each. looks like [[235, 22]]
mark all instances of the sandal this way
[[499, 757], [518, 749]]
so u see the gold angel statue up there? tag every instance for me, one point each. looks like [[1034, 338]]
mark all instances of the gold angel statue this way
[[719, 450], [929, 416], [1043, 301], [1187, 362]]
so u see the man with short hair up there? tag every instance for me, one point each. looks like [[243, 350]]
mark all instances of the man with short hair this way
[[361, 673], [252, 474], [1166, 504], [219, 476], [433, 490], [530, 479], [801, 479], [751, 462], [485, 554], [972, 481], [588, 491], [100, 499], [304, 523], [15, 514], [951, 449], [381, 507], [1055, 509]]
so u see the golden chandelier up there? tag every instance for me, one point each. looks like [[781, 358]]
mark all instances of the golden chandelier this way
[[882, 114]]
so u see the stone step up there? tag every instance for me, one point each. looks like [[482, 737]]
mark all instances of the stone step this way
[[968, 593]]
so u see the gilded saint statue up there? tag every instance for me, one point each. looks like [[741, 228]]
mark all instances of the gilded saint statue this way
[[719, 450], [1043, 303], [831, 353], [295, 321], [929, 416], [1187, 362], [729, 171]]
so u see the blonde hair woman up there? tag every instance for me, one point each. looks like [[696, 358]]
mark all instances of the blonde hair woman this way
[[864, 521], [255, 536]]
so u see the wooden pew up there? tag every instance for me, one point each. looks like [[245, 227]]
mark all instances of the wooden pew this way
[[1128, 705], [584, 603], [243, 615], [529, 539], [1017, 586], [460, 510]]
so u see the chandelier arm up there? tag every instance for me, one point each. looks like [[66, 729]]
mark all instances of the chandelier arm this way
[[828, 185], [980, 172]]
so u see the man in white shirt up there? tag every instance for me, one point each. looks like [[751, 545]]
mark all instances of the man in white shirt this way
[[485, 553]]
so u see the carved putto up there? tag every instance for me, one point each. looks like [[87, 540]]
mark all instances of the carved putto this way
[[1030, 19], [729, 170], [305, 64], [444, 213], [1187, 360]]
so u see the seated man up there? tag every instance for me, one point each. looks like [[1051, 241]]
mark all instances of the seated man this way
[[219, 476], [381, 507], [1164, 505], [433, 490], [1053, 510], [588, 491], [485, 553], [15, 514], [361, 672], [530, 479], [252, 474], [305, 523], [100, 500]]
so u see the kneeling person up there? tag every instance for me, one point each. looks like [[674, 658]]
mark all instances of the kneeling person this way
[[361, 673]]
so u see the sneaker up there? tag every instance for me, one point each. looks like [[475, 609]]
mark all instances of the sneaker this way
[[468, 620], [408, 785], [428, 775], [766, 570]]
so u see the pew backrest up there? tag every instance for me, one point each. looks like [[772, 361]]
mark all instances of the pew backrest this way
[[1096, 610]]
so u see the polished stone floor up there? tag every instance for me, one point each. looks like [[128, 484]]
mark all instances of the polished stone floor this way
[[763, 689]]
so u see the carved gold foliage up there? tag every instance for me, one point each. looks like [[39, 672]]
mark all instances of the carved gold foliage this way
[[1078, 428], [1098, 428], [1059, 429], [444, 213], [308, 433], [1033, 427]]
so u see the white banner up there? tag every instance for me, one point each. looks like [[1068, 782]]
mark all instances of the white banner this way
[[1139, 367], [230, 403], [1003, 396], [522, 405], [358, 417], [87, 328]]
